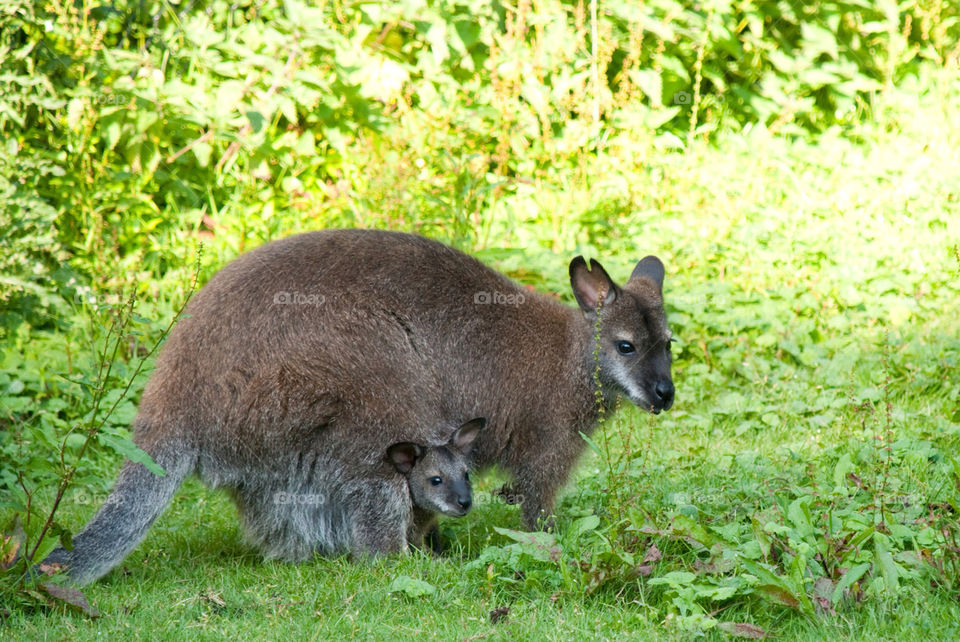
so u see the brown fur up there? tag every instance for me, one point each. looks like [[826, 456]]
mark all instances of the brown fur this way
[[398, 334]]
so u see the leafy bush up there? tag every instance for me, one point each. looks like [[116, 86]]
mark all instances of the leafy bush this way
[[142, 125], [131, 131]]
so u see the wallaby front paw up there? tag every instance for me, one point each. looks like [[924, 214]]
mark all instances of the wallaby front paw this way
[[508, 495]]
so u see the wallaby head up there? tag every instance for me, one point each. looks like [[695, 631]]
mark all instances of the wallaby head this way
[[634, 341], [439, 476]]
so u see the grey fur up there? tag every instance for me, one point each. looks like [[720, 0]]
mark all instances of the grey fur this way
[[302, 360], [136, 501], [316, 508]]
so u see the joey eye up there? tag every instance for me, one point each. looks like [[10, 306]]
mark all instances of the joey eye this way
[[625, 347], [435, 481]]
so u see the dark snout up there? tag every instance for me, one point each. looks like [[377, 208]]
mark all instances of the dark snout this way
[[463, 497], [661, 396]]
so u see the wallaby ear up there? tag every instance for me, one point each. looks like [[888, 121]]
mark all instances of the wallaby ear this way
[[463, 438], [404, 455], [591, 286], [649, 267]]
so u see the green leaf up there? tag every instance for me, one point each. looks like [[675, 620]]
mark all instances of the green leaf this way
[[650, 83], [584, 525], [676, 579], [799, 513], [131, 451], [202, 151], [592, 444], [888, 568], [538, 545], [411, 587], [256, 120], [847, 580], [778, 588], [844, 466]]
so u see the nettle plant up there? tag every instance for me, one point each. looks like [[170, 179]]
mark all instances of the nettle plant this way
[[882, 519], [58, 423]]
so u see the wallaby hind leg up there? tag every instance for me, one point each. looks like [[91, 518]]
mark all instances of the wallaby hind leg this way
[[380, 517], [292, 523], [137, 499]]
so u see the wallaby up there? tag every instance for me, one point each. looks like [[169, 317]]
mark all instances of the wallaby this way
[[438, 479], [293, 516], [376, 338]]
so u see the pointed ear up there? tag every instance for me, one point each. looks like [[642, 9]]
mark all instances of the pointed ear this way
[[649, 267], [463, 438], [592, 286], [404, 455]]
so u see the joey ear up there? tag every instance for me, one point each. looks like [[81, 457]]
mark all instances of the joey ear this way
[[591, 286], [465, 435], [649, 267], [404, 455]]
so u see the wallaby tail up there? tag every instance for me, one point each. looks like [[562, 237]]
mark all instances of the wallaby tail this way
[[137, 499]]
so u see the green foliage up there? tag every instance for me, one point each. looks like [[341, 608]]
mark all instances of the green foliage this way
[[805, 484], [129, 130], [46, 448]]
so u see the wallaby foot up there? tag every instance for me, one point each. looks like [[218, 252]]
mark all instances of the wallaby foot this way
[[433, 542], [534, 516], [536, 504], [538, 519], [423, 533]]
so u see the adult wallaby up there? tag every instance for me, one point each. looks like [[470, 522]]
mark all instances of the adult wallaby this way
[[382, 337], [291, 510]]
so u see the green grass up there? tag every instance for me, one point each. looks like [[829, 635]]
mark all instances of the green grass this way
[[813, 288]]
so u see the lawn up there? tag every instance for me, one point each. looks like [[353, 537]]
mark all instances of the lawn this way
[[806, 484]]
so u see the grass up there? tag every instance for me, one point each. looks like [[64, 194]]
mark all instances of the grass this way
[[813, 288]]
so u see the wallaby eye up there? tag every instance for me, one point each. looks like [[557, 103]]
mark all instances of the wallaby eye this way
[[435, 481], [625, 347], [466, 476]]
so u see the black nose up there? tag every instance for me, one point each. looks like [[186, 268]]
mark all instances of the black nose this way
[[465, 502], [664, 390]]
